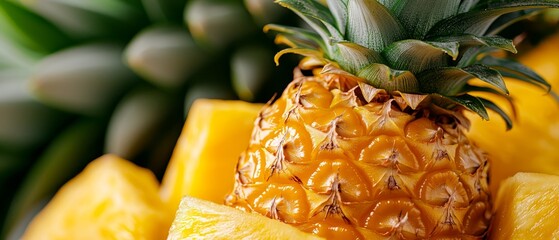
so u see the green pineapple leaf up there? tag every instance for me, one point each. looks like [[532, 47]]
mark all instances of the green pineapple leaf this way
[[417, 55], [469, 40], [478, 21], [471, 103], [484, 89], [513, 69], [354, 57], [418, 16], [508, 19], [339, 10], [318, 17], [492, 106], [450, 80], [467, 5], [371, 25], [382, 76], [296, 37]]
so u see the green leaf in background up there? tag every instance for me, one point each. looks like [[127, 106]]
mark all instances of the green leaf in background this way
[[164, 55], [251, 67], [29, 29], [136, 120], [24, 121], [86, 79], [164, 10], [84, 19], [265, 11], [217, 24], [13, 57]]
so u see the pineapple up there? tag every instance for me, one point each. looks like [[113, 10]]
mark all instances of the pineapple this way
[[369, 139]]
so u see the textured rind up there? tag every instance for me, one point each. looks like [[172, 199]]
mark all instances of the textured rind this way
[[330, 162]]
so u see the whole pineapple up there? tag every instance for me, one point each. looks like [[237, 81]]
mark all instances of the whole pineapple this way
[[373, 144]]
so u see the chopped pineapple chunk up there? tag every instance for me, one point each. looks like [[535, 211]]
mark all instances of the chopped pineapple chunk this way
[[111, 199], [527, 207], [203, 163], [200, 219]]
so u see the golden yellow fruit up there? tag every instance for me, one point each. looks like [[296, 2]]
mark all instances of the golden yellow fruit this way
[[527, 207], [200, 219], [203, 162], [111, 199], [531, 145]]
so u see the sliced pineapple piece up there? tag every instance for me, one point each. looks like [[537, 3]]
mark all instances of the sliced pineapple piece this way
[[203, 163], [527, 208], [200, 219], [111, 199]]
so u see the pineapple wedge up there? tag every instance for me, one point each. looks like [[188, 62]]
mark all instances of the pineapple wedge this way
[[111, 199], [200, 219], [204, 159], [527, 207]]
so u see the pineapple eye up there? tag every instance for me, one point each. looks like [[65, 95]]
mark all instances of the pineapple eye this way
[[392, 153], [399, 215]]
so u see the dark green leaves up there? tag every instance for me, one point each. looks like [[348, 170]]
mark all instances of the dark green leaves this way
[[469, 40], [477, 21], [450, 81], [467, 5], [472, 103], [513, 69], [492, 106]]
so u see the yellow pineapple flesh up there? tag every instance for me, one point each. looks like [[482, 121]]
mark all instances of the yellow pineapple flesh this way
[[111, 199], [204, 158], [344, 161], [527, 208], [200, 219]]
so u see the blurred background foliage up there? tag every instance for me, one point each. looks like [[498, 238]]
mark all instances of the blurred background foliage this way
[[79, 78]]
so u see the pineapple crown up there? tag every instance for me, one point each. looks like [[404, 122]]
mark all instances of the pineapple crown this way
[[416, 47]]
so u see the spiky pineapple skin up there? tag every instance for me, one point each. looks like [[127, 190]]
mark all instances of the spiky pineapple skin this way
[[331, 159]]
